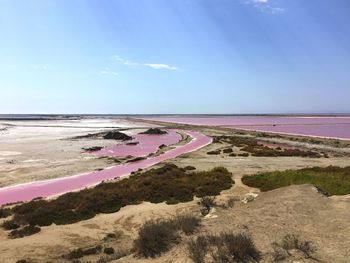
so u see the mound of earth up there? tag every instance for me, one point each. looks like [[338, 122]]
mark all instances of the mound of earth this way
[[155, 131], [116, 135]]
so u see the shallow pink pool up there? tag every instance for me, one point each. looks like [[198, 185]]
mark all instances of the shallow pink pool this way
[[330, 127], [146, 144], [26, 192]]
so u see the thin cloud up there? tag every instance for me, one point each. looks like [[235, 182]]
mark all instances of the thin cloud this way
[[39, 67], [266, 6], [160, 66], [109, 72]]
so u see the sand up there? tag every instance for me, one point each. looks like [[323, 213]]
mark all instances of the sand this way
[[38, 150]]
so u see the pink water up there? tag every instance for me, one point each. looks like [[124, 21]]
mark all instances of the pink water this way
[[331, 127], [146, 144], [26, 192]]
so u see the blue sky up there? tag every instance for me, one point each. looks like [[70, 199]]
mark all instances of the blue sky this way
[[174, 56]]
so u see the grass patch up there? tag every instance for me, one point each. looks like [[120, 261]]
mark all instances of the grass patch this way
[[169, 184], [333, 180]]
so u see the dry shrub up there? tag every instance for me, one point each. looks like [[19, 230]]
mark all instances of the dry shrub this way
[[197, 249], [225, 247], [187, 223], [158, 236], [206, 203], [155, 237], [292, 242]]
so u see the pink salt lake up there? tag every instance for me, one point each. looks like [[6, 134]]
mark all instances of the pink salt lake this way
[[146, 144], [328, 127], [28, 191]]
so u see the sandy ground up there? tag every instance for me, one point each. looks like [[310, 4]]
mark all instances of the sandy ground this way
[[296, 209], [37, 150]]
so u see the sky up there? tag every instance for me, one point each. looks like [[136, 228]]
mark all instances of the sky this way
[[174, 56]]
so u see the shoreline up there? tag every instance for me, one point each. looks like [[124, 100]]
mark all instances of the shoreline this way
[[35, 189]]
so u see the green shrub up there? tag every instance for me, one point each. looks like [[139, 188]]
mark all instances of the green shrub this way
[[189, 168], [109, 250], [216, 152], [169, 184], [25, 231], [4, 212], [92, 250], [76, 253], [333, 180], [80, 252], [10, 225], [227, 150]]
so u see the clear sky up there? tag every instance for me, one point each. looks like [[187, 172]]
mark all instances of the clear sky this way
[[174, 56]]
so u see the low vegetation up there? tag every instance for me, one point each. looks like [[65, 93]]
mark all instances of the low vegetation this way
[[93, 148], [224, 247], [169, 184], [158, 236], [265, 151], [109, 250], [5, 212], [10, 225], [25, 231], [80, 252], [216, 152], [333, 180], [250, 145], [189, 168]]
